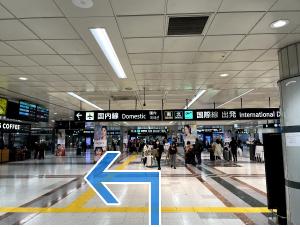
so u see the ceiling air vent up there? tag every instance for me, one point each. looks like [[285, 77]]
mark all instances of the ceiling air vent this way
[[186, 25]]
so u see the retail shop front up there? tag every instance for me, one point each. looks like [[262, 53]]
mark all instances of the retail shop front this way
[[14, 141]]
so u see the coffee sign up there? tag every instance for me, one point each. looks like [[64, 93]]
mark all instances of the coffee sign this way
[[6, 126]]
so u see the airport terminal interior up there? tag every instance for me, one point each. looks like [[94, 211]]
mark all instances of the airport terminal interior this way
[[149, 112]]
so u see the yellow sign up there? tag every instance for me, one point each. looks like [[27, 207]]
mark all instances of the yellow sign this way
[[3, 106]]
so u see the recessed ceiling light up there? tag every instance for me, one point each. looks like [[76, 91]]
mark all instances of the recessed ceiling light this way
[[279, 23], [84, 4], [52, 120], [23, 78], [54, 113], [224, 74], [106, 46]]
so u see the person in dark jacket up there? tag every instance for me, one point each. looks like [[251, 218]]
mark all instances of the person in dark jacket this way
[[160, 150], [233, 147], [173, 151], [198, 148]]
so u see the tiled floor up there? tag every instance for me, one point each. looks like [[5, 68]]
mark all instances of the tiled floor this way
[[211, 185]]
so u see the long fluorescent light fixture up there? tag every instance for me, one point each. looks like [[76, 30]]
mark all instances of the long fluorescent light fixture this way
[[84, 100], [106, 46], [236, 98], [199, 94]]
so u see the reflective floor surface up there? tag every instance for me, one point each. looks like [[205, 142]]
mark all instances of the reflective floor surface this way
[[53, 191]]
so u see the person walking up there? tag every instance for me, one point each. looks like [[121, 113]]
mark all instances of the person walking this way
[[233, 147], [198, 148], [218, 150], [160, 149], [173, 151]]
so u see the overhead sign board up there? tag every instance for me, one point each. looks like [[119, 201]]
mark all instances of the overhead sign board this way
[[177, 115], [118, 115], [223, 114]]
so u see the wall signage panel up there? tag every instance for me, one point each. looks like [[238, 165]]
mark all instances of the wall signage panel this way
[[27, 111], [118, 115], [14, 127], [42, 114], [222, 114]]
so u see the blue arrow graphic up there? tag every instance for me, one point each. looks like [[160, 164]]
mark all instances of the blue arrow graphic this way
[[99, 176]]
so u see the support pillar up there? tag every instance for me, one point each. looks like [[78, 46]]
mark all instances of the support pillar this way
[[289, 85]]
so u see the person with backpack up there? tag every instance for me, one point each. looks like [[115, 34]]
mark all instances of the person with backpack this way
[[173, 151]]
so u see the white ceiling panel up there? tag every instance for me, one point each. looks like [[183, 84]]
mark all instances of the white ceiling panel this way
[[34, 70], [81, 59], [100, 8], [173, 68], [141, 45], [200, 75], [7, 50], [68, 46], [246, 5], [148, 76], [51, 28], [9, 70], [4, 14], [3, 64], [48, 78], [264, 25], [240, 80], [249, 55], [181, 43], [215, 56], [231, 66], [17, 60], [46, 60], [89, 69], [289, 39], [138, 7], [62, 69], [14, 30], [212, 43], [96, 76], [264, 80], [233, 23], [146, 68], [271, 73], [147, 58], [264, 65], [73, 77], [32, 8], [270, 55], [141, 26], [180, 57], [261, 41], [250, 73], [192, 6], [286, 5], [31, 47], [204, 67]]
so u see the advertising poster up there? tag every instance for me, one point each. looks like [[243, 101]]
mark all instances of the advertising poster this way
[[188, 136], [100, 140], [61, 137], [100, 136]]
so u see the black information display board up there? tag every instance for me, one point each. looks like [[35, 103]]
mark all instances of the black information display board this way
[[118, 115], [222, 114], [42, 114], [27, 111]]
